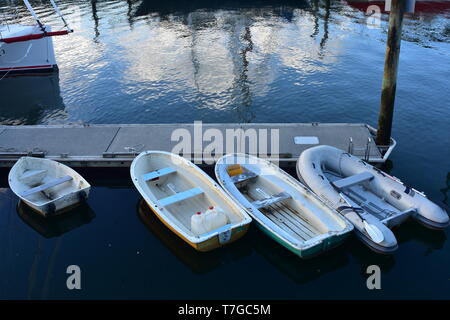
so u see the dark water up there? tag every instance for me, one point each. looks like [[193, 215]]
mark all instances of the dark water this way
[[224, 61]]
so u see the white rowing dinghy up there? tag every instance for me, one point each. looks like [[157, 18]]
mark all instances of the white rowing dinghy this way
[[371, 199], [187, 200], [47, 186], [283, 208]]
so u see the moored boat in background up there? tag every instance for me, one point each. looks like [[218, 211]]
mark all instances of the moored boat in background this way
[[29, 48], [421, 6]]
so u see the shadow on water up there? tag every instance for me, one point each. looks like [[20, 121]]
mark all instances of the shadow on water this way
[[413, 231], [445, 190], [34, 98], [366, 257], [387, 167], [58, 225], [297, 269], [198, 262]]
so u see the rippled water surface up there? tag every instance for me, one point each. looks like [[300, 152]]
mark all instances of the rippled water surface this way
[[226, 61]]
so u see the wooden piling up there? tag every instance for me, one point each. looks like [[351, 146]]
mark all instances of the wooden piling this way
[[390, 72]]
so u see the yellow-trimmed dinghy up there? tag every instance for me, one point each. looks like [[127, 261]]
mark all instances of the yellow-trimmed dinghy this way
[[176, 189]]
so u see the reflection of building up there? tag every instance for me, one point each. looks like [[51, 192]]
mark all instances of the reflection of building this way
[[29, 99]]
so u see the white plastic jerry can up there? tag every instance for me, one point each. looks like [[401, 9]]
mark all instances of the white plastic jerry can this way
[[208, 221]]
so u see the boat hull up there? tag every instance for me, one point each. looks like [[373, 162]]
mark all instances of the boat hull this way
[[387, 250], [209, 244], [311, 252], [29, 70], [64, 204], [32, 56]]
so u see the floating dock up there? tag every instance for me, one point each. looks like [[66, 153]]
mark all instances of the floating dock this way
[[117, 145]]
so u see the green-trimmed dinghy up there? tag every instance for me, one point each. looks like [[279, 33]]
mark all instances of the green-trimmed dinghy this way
[[282, 207]]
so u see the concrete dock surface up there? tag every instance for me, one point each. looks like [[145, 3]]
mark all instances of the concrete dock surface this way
[[116, 145]]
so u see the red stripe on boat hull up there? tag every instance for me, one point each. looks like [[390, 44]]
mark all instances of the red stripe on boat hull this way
[[28, 67], [34, 36], [421, 6]]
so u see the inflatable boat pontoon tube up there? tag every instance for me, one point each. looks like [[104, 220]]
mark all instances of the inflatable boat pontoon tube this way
[[371, 199]]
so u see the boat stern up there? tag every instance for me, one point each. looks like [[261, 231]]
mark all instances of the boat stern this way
[[221, 239], [28, 56]]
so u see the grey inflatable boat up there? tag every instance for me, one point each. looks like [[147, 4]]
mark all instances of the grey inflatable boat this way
[[368, 197]]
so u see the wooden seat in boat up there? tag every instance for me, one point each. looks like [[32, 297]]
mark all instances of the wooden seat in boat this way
[[266, 202], [180, 196], [46, 186], [158, 173], [352, 180]]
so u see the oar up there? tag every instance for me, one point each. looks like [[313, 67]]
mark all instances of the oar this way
[[372, 230], [375, 234]]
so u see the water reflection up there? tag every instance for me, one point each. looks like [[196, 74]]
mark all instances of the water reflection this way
[[432, 6], [222, 56], [280, 7], [429, 240], [95, 18], [446, 189], [366, 257], [58, 225], [297, 269], [30, 99], [198, 262], [222, 61]]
